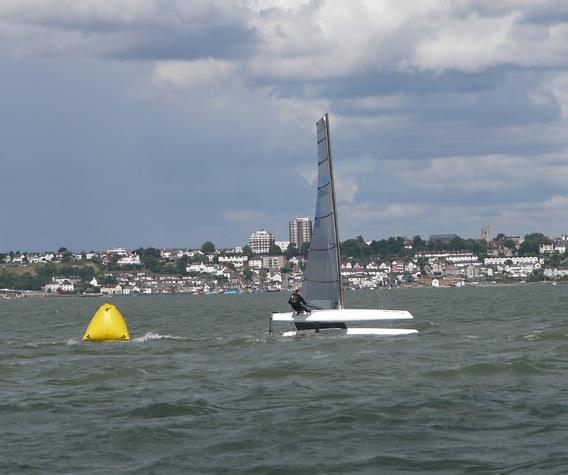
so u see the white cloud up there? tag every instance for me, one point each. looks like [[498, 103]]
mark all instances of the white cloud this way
[[557, 202], [346, 189], [482, 173], [557, 87], [305, 40], [471, 44], [189, 74]]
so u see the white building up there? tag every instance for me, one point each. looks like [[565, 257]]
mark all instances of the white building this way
[[129, 260], [116, 290], [488, 261], [119, 251], [260, 242], [300, 230], [255, 263], [201, 268], [59, 285], [237, 260]]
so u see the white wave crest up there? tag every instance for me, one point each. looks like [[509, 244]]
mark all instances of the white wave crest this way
[[154, 336]]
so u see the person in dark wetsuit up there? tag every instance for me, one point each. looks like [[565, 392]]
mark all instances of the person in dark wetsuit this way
[[298, 303]]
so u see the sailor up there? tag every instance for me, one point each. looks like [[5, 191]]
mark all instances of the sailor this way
[[298, 303]]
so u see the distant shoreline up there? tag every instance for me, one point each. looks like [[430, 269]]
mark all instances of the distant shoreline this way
[[6, 294]]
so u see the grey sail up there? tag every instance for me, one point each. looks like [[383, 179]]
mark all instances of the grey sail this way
[[322, 277]]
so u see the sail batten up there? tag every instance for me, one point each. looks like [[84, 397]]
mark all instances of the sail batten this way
[[322, 278]]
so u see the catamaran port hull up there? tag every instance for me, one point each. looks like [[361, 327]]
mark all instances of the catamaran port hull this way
[[353, 332]]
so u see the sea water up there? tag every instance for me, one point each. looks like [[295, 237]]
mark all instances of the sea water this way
[[201, 388]]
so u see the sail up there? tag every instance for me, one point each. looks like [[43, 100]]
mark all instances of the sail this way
[[322, 278]]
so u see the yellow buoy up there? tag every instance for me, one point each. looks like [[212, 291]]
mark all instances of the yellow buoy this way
[[107, 324]]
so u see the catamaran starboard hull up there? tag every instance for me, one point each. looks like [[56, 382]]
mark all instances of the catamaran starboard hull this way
[[354, 332]]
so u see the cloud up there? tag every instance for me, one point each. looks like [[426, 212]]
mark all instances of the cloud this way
[[484, 173], [346, 189], [145, 30], [189, 74], [470, 44], [301, 40], [444, 115], [557, 202]]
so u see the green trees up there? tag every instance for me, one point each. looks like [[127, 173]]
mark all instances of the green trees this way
[[531, 244], [46, 272], [247, 251], [304, 250], [208, 247], [181, 264], [554, 259], [248, 274], [274, 250], [25, 281], [388, 248], [291, 251], [356, 248], [150, 258], [418, 244], [66, 256], [108, 280]]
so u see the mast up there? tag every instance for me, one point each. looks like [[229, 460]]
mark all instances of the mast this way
[[336, 229]]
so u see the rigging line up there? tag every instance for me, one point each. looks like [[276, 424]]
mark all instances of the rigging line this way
[[323, 186], [323, 161]]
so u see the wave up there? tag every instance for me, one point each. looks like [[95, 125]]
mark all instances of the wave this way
[[518, 367], [150, 336], [541, 335], [165, 409]]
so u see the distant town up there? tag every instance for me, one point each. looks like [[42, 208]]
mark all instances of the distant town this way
[[265, 264]]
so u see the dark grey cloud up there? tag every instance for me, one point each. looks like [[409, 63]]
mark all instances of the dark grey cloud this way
[[226, 42]]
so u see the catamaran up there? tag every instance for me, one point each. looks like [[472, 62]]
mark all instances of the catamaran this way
[[322, 287]]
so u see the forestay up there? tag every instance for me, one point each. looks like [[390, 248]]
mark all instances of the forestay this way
[[322, 277]]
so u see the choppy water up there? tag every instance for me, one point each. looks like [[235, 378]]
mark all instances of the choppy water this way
[[202, 389]]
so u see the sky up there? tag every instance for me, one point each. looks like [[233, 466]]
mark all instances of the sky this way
[[169, 123]]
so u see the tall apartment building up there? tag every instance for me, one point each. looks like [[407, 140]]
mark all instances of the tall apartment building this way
[[260, 242], [300, 231]]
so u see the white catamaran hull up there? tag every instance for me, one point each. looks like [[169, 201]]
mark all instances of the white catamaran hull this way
[[346, 315], [343, 315], [354, 332]]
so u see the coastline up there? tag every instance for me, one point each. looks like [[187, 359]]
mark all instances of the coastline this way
[[9, 294]]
